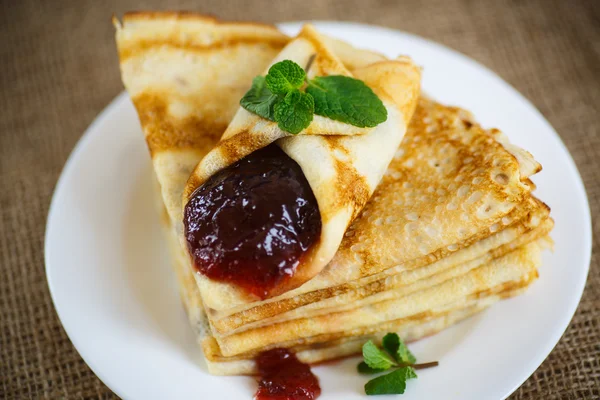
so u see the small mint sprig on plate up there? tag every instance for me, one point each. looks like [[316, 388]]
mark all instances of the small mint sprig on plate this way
[[287, 97], [395, 354]]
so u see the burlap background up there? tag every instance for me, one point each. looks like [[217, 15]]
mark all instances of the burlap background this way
[[58, 70]]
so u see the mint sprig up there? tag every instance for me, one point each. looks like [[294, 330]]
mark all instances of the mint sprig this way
[[395, 354], [279, 97]]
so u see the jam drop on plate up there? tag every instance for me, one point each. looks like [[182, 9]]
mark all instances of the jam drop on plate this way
[[284, 377]]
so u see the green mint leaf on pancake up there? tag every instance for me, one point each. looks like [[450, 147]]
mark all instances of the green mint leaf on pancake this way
[[259, 99], [392, 383], [285, 76], [347, 100], [375, 357], [363, 368], [396, 347], [295, 111], [280, 97]]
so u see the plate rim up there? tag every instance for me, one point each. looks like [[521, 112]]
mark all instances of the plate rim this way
[[294, 25]]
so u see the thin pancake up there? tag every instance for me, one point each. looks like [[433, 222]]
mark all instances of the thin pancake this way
[[179, 130]]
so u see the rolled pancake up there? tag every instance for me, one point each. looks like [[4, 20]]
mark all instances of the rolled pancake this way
[[450, 185], [342, 163]]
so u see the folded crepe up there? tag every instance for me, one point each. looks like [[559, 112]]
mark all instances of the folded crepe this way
[[342, 163]]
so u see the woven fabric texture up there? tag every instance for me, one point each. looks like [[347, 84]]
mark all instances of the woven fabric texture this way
[[58, 70]]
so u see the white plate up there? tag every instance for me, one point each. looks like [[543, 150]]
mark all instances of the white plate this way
[[114, 291]]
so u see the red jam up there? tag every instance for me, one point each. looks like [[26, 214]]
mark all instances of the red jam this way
[[284, 377], [251, 223]]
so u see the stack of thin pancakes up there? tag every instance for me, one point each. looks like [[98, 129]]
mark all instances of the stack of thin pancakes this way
[[451, 228]]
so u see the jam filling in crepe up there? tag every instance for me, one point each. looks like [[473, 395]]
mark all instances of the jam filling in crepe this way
[[251, 223]]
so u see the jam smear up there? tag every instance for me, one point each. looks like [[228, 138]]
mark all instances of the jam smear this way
[[251, 223], [284, 377]]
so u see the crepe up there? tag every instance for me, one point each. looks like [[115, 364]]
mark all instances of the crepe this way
[[342, 163], [182, 122]]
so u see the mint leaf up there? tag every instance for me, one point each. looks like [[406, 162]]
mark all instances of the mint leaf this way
[[407, 372], [259, 99], [376, 358], [346, 100], [392, 383], [278, 97], [295, 112], [396, 347], [391, 343], [363, 368], [404, 355], [285, 76]]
